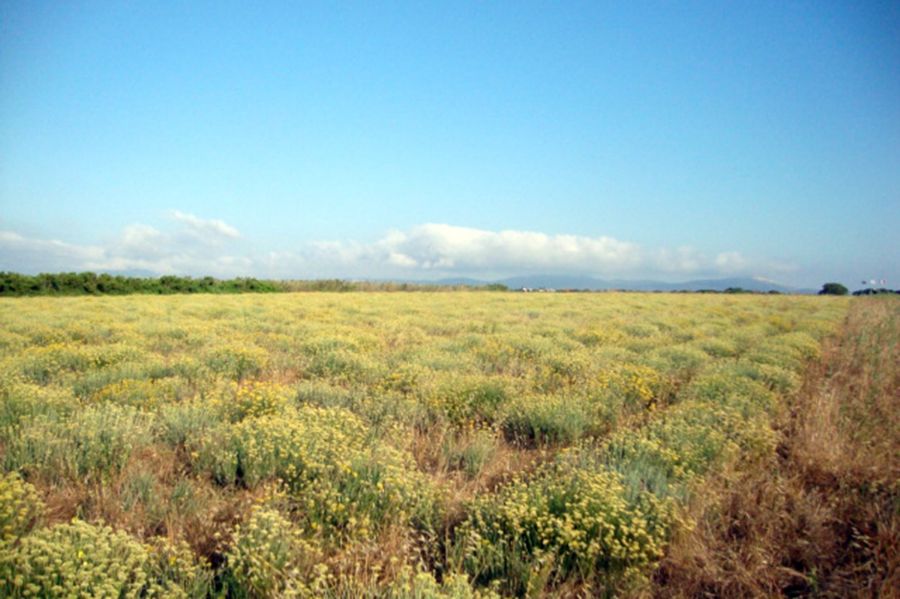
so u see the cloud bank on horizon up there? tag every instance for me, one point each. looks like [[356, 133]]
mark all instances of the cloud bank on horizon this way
[[192, 245]]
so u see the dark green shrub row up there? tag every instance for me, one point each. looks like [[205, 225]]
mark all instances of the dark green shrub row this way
[[89, 283]]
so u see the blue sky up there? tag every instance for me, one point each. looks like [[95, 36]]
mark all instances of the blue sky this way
[[421, 140]]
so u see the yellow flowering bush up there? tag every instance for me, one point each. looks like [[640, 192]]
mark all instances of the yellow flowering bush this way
[[566, 521], [790, 350], [404, 378], [175, 567], [10, 341], [717, 347], [722, 414], [677, 359], [237, 361], [778, 380], [270, 558], [511, 355], [347, 486], [560, 371], [251, 399], [379, 407], [419, 584], [144, 394], [469, 400], [686, 442], [21, 401], [86, 560], [43, 364], [345, 366], [20, 507], [636, 385], [730, 385]]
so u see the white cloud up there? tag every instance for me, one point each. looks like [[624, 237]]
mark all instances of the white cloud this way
[[206, 230], [200, 246], [684, 259], [141, 242], [731, 262], [194, 246], [43, 254], [400, 259], [441, 247]]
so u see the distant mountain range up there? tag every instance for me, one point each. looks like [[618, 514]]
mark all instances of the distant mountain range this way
[[592, 284]]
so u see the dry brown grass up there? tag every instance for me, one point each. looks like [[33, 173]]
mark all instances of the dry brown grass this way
[[822, 517], [168, 504]]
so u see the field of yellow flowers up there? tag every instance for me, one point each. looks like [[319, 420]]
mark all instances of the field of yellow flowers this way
[[462, 444]]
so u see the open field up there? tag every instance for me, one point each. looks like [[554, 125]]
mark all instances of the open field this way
[[440, 444]]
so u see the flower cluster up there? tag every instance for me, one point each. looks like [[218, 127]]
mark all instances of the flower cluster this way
[[237, 361], [468, 401], [346, 486], [252, 399], [270, 558], [20, 507], [789, 350], [420, 584], [144, 394], [85, 560], [569, 519], [44, 363], [22, 401], [635, 384]]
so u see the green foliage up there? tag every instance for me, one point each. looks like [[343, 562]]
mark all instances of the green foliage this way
[[790, 350], [470, 452], [184, 424], [140, 492], [44, 363], [88, 283], [343, 366], [89, 445], [833, 289], [730, 385], [552, 420], [677, 363]]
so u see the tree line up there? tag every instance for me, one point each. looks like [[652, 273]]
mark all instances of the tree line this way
[[90, 283]]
